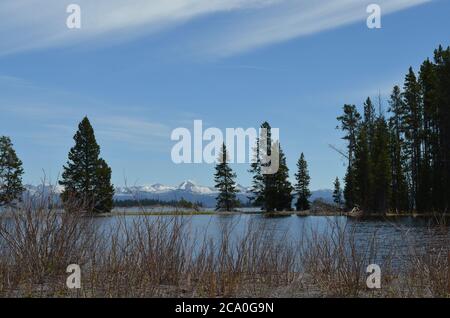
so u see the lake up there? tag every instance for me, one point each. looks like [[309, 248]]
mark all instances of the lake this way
[[399, 235]]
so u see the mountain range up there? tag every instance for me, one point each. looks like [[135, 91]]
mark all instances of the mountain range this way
[[187, 190]]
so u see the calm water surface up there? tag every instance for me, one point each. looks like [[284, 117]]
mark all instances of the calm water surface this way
[[402, 235]]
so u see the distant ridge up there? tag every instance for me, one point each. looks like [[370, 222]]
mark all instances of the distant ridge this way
[[187, 190]]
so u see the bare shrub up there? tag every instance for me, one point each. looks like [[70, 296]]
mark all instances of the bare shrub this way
[[162, 256], [38, 243]]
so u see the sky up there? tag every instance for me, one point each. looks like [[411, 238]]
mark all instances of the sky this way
[[139, 69]]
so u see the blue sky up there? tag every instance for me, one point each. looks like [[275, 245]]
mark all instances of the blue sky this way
[[139, 69]]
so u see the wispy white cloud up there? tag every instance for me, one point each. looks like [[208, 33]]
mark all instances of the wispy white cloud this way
[[52, 117], [292, 19], [34, 24], [132, 130]]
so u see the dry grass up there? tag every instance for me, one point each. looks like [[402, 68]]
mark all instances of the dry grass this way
[[163, 257]]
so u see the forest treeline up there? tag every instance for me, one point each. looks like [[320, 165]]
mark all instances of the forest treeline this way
[[182, 203], [399, 161], [272, 192]]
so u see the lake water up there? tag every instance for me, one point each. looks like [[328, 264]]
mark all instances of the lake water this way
[[402, 235]]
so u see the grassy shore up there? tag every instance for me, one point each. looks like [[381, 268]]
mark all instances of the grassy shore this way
[[162, 257], [151, 253]]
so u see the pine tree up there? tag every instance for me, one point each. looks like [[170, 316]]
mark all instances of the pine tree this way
[[225, 183], [399, 187], [363, 171], [257, 188], [349, 124], [429, 136], [11, 172], [442, 169], [282, 185], [270, 191], [267, 150], [381, 173], [87, 177], [364, 152], [369, 120], [262, 184], [302, 185], [350, 196], [413, 125], [337, 193], [103, 189]]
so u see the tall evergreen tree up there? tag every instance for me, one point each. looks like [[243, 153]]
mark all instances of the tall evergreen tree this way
[[413, 131], [302, 185], [262, 184], [337, 193], [103, 189], [363, 171], [349, 124], [369, 121], [442, 167], [282, 186], [399, 186], [256, 196], [429, 136], [259, 180], [11, 172], [270, 191], [87, 177], [225, 183], [381, 167], [277, 193]]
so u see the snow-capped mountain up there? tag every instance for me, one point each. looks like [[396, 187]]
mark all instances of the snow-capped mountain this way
[[187, 190], [158, 187], [154, 188], [190, 191], [192, 187], [188, 186]]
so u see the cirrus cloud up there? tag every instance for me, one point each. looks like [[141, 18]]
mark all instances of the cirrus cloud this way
[[247, 24]]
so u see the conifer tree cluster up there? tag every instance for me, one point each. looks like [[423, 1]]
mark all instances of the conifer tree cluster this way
[[11, 172], [270, 191], [402, 163], [87, 177]]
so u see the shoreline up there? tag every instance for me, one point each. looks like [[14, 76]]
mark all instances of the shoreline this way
[[270, 214], [141, 212]]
